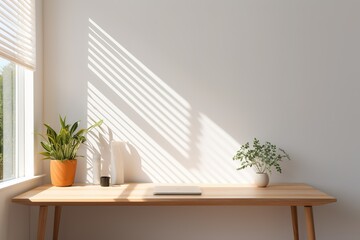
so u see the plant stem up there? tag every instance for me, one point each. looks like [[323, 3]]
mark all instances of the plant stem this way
[[258, 168]]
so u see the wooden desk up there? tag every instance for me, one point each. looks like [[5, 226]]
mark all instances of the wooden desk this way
[[136, 194]]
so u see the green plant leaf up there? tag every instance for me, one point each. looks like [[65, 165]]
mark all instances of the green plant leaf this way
[[261, 156], [64, 145], [74, 127]]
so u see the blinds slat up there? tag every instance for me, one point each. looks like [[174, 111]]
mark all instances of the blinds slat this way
[[10, 57], [6, 28], [17, 31], [14, 19], [24, 49], [16, 5], [19, 11], [20, 34], [28, 4]]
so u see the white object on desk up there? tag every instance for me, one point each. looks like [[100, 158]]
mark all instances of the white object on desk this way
[[177, 190], [117, 162], [96, 168]]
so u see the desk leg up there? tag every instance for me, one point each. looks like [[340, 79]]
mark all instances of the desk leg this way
[[42, 222], [294, 218], [310, 223], [57, 217]]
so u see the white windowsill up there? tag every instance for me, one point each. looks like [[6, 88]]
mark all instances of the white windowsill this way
[[16, 181]]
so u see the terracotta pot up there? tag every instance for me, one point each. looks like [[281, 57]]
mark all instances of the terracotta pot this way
[[62, 173], [261, 179]]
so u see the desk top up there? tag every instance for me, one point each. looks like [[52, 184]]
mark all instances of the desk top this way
[[136, 194]]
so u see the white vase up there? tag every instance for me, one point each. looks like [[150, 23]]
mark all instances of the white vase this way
[[117, 162], [261, 179], [96, 163]]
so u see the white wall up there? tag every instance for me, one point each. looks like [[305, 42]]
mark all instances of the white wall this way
[[185, 82]]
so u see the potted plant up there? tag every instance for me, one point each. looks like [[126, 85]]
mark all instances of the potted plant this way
[[263, 157], [61, 148]]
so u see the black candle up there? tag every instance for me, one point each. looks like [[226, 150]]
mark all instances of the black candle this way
[[105, 181]]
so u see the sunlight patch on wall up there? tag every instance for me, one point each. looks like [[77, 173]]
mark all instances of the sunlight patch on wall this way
[[167, 140], [216, 149]]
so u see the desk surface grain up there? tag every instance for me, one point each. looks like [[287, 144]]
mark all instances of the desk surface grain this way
[[142, 194]]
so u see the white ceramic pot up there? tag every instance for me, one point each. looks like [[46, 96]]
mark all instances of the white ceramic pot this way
[[261, 179]]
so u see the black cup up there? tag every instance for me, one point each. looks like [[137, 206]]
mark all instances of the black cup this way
[[105, 181]]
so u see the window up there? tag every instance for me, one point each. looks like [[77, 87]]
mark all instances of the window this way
[[17, 63], [12, 119]]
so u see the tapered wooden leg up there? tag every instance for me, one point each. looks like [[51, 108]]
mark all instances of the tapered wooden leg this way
[[294, 218], [57, 218], [310, 223], [42, 222]]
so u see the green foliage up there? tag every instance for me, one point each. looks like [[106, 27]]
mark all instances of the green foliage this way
[[262, 156], [64, 144], [10, 69]]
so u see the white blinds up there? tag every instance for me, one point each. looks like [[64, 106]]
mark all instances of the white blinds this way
[[17, 31]]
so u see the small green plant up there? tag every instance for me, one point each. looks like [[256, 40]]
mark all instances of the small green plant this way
[[262, 156], [65, 144]]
